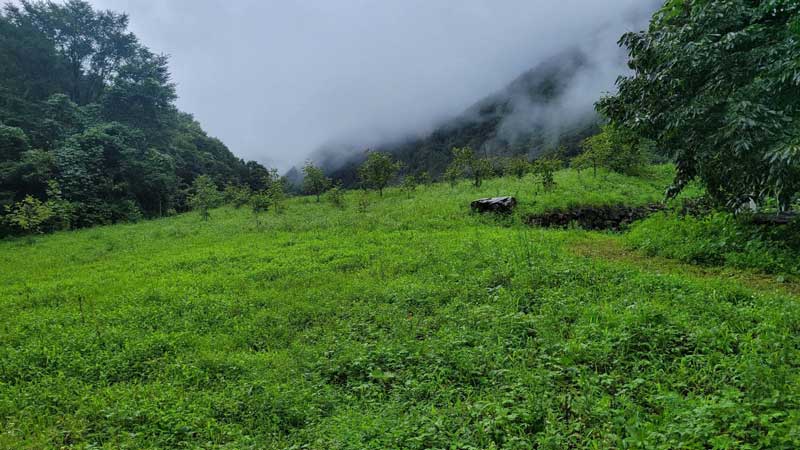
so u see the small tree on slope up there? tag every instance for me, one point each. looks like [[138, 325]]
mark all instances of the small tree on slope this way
[[204, 196], [378, 170], [315, 182]]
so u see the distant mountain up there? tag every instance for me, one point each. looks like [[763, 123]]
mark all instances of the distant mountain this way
[[532, 114]]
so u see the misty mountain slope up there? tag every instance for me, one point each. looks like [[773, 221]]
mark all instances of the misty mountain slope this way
[[530, 115]]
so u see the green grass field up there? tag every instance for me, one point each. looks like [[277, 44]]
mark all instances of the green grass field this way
[[414, 324]]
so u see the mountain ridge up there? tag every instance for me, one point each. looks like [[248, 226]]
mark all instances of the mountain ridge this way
[[520, 119]]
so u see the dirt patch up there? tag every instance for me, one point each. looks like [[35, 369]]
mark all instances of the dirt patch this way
[[609, 217]]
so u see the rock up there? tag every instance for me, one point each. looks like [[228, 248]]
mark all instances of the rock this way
[[784, 218], [609, 217], [503, 205]]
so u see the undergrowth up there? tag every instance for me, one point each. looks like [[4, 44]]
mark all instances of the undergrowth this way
[[720, 239], [388, 323]]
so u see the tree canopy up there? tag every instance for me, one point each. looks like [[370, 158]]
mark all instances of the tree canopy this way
[[378, 170], [614, 148], [314, 180], [470, 165], [715, 84], [84, 105]]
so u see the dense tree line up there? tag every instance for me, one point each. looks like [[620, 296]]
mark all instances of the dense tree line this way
[[88, 123]]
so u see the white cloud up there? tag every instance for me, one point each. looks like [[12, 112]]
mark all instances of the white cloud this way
[[275, 79]]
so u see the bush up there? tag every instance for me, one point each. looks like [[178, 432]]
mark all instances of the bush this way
[[409, 185], [259, 203], [63, 211], [720, 239], [126, 211], [204, 196], [615, 149], [425, 179], [467, 163], [32, 216], [236, 195], [336, 196], [378, 170], [363, 202], [518, 167], [277, 196], [314, 180], [28, 215], [273, 197], [452, 175], [545, 168]]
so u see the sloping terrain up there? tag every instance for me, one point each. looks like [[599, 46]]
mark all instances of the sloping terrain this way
[[393, 323]]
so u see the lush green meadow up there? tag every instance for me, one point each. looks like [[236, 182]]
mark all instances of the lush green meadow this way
[[409, 324]]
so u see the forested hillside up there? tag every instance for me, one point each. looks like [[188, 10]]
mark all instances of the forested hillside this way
[[89, 130], [519, 120]]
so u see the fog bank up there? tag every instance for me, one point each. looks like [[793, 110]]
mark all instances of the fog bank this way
[[275, 80]]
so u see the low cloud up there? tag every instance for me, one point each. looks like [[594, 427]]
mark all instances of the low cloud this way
[[276, 80], [590, 70]]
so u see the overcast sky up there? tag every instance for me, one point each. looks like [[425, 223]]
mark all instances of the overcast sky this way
[[276, 79]]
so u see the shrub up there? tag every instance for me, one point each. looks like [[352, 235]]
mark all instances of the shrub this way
[[363, 202], [409, 185], [719, 239], [259, 203], [452, 175], [378, 170], [468, 164], [236, 195], [615, 149], [518, 166], [336, 196], [63, 211], [32, 216], [204, 196], [28, 215], [545, 168], [126, 211], [276, 192], [425, 179], [314, 180]]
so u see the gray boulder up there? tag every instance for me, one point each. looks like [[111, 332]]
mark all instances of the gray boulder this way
[[503, 205]]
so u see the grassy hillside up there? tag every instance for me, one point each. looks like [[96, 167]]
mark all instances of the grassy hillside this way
[[413, 324]]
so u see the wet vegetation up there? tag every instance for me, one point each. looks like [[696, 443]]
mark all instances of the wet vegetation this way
[[394, 322], [593, 312]]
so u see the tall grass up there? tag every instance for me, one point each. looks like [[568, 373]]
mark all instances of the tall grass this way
[[415, 324], [720, 239]]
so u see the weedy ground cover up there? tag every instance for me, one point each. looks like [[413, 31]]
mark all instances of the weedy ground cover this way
[[389, 323], [720, 239]]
